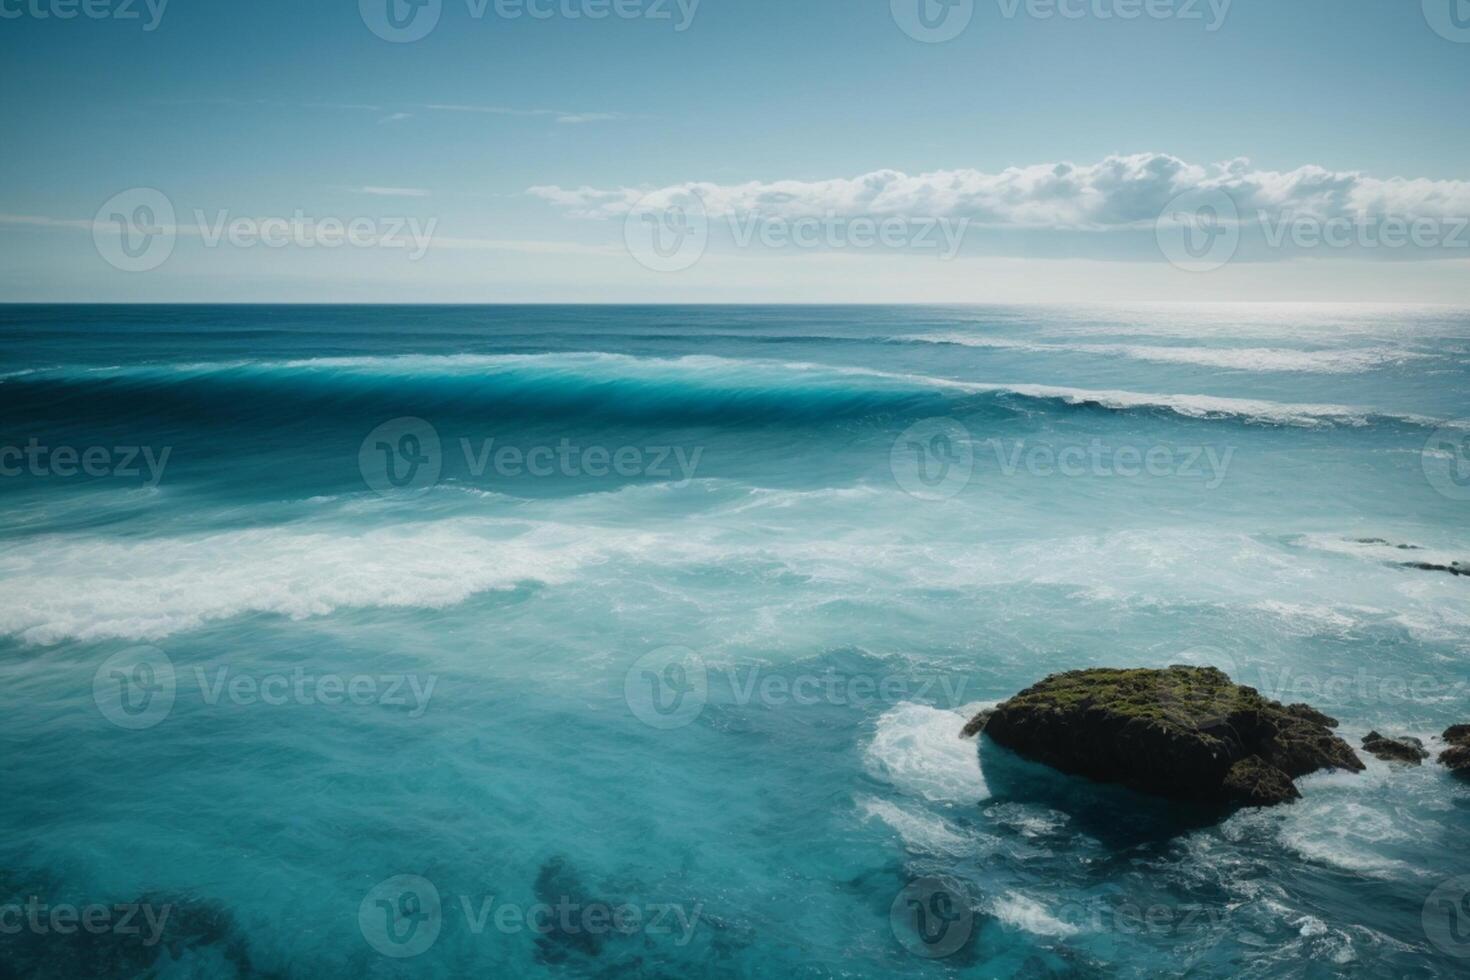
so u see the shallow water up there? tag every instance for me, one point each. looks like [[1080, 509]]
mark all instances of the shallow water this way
[[692, 639]]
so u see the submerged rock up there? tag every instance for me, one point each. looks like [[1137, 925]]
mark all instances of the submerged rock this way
[[1407, 749], [1186, 733], [1453, 568], [1457, 756]]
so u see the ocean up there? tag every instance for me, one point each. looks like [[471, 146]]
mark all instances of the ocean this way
[[636, 641]]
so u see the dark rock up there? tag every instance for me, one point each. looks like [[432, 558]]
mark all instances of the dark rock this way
[[1177, 733], [161, 928], [557, 886], [1453, 568], [1457, 757], [1312, 714], [1255, 782], [1409, 750], [976, 724], [1400, 547]]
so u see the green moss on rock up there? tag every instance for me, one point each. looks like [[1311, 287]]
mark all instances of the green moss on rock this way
[[1184, 732]]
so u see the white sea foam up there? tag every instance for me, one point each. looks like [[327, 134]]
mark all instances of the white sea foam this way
[[1205, 406], [1022, 912], [1257, 359], [90, 588], [920, 831], [1343, 834], [918, 749]]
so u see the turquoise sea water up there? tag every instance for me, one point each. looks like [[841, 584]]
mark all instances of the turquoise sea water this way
[[675, 666]]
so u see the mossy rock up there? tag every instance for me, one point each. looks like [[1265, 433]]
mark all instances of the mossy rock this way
[[1186, 733], [1407, 749]]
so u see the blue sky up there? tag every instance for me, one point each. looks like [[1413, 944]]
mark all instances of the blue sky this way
[[517, 146]]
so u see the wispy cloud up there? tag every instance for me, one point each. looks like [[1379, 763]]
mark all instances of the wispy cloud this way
[[393, 191], [398, 112], [560, 115]]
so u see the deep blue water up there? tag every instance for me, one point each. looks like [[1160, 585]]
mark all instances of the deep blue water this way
[[692, 639]]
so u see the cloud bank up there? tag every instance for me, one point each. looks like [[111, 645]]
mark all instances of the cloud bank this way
[[1117, 192]]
